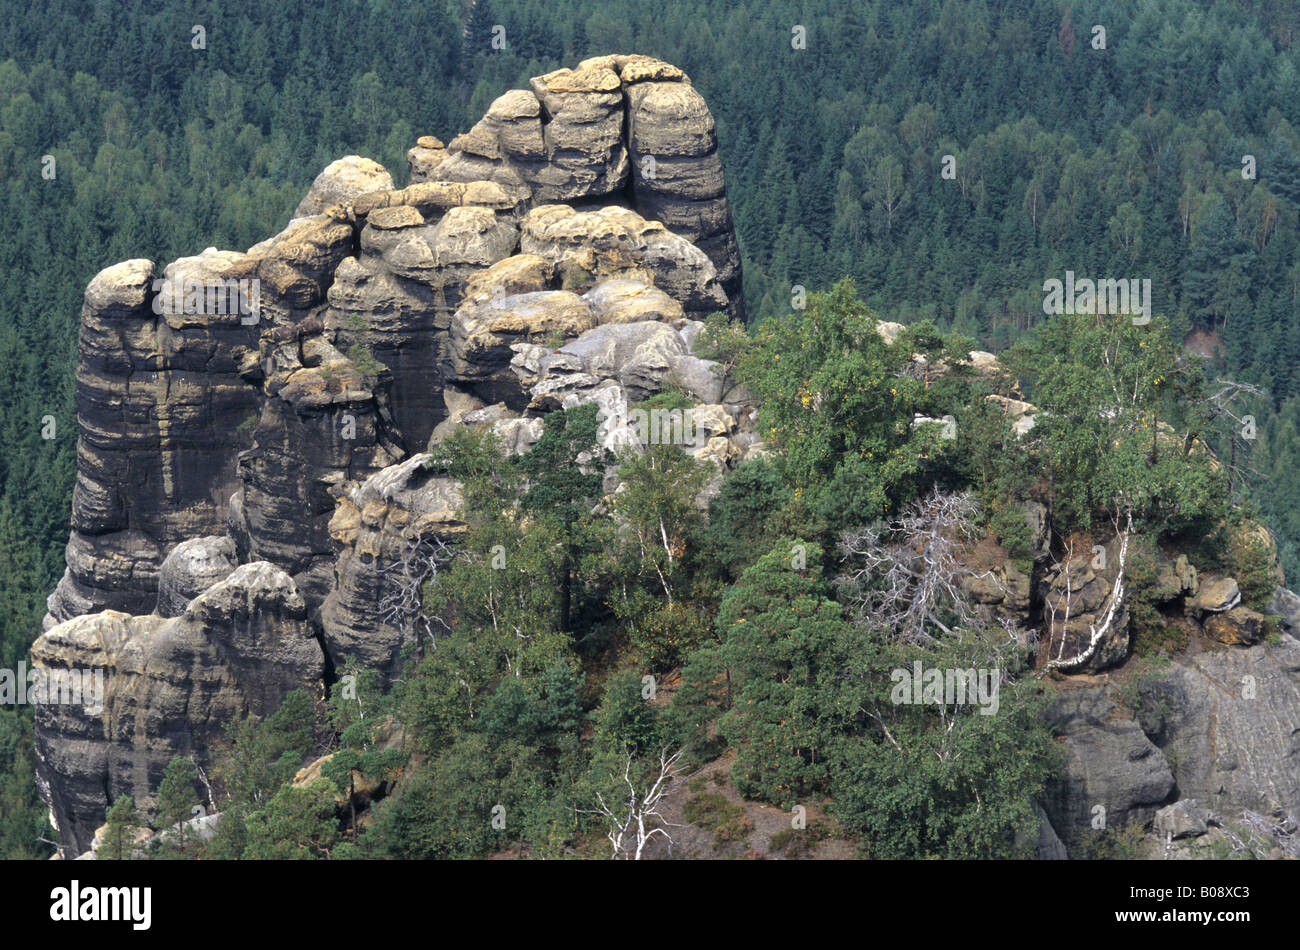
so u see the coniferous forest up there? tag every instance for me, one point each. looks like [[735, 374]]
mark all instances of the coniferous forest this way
[[924, 162]]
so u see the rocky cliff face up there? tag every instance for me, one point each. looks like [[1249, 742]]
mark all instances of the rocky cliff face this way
[[249, 477], [1191, 748]]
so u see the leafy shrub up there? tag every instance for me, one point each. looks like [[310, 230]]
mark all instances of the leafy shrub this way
[[712, 812], [1251, 562], [1113, 844], [799, 842]]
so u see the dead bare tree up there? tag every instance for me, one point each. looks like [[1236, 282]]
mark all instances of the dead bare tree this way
[[402, 603], [638, 819], [1257, 835], [907, 574], [1219, 404]]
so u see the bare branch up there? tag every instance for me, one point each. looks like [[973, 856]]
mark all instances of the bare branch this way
[[637, 820], [907, 575], [417, 563]]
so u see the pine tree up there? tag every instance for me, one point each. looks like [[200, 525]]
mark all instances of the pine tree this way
[[119, 836], [176, 800]]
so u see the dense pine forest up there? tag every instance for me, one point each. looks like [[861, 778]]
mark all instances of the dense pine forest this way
[[119, 139]]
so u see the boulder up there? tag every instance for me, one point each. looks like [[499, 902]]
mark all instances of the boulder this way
[[424, 157], [1182, 819], [1238, 626], [1216, 594], [342, 181], [1286, 605], [297, 265], [191, 568], [1050, 846]]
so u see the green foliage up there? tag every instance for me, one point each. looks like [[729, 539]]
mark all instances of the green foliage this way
[[483, 794], [363, 360], [626, 721], [1104, 386], [936, 780], [740, 514], [24, 818], [123, 823], [1151, 633], [296, 824], [723, 341], [356, 711], [362, 357], [175, 802], [446, 811], [799, 842], [262, 756], [564, 481], [838, 401], [1008, 524], [1251, 561], [704, 694], [668, 398], [265, 753], [712, 812], [657, 515], [776, 624], [1113, 844], [491, 594]]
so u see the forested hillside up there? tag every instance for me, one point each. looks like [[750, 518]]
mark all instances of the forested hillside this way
[[119, 139]]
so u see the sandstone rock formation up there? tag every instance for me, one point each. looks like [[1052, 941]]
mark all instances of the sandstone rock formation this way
[[1202, 739], [156, 393], [191, 568], [387, 529], [170, 686], [342, 181], [625, 126], [247, 484]]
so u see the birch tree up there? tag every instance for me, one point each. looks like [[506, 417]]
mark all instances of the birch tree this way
[[636, 817]]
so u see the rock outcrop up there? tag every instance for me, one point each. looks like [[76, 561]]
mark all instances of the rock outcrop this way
[[625, 127], [1114, 775], [1229, 723], [388, 530], [169, 687], [248, 485], [1205, 738], [156, 392]]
